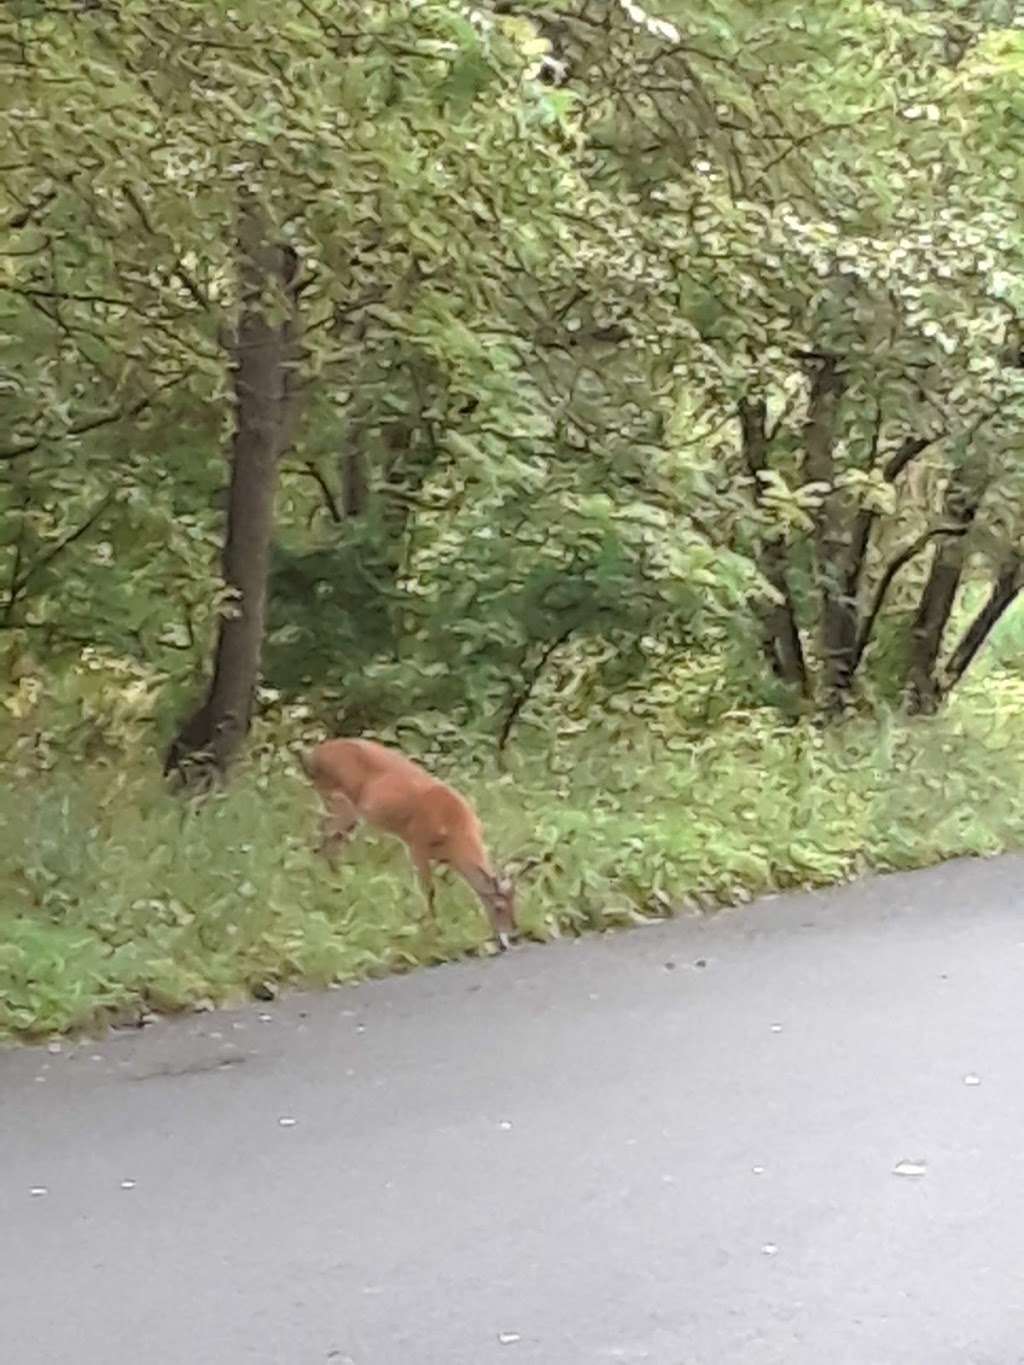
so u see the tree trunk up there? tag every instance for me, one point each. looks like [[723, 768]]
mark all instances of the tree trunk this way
[[355, 480], [833, 551], [780, 631], [1004, 593], [263, 379], [923, 687], [860, 539]]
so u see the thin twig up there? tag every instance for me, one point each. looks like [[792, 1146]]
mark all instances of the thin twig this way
[[105, 419], [330, 501], [178, 271], [18, 587], [526, 692]]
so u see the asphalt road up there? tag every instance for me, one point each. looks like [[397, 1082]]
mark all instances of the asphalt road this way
[[676, 1145]]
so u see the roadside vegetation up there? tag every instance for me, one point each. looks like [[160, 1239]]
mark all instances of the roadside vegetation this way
[[620, 411], [119, 900]]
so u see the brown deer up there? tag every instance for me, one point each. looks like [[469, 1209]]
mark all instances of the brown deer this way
[[358, 779]]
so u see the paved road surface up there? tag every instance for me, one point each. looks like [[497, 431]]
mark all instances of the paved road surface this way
[[579, 1154]]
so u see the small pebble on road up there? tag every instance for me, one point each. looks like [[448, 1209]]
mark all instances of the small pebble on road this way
[[910, 1168]]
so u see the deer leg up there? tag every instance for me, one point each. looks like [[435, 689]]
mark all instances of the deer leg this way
[[425, 873], [340, 819]]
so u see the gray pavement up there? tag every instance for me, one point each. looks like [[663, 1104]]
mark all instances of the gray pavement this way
[[583, 1153]]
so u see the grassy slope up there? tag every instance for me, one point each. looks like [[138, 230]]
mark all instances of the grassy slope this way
[[113, 895]]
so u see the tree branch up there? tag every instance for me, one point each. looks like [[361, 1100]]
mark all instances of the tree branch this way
[[178, 271], [64, 296], [330, 501], [18, 586], [1004, 591], [903, 454], [860, 536], [20, 220], [899, 561], [525, 692], [106, 419]]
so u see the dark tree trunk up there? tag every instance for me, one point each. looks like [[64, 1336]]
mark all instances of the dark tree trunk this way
[[355, 481], [834, 553], [841, 540], [1004, 593], [782, 635], [780, 630], [923, 687], [263, 378], [385, 462], [860, 539]]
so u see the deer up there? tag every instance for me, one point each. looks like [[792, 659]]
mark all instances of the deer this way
[[359, 780]]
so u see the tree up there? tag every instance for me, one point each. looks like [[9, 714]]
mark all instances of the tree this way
[[623, 340], [831, 190], [264, 362], [477, 329]]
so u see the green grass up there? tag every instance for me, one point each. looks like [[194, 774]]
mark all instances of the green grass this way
[[115, 896]]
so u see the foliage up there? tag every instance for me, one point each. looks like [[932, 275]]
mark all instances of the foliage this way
[[128, 900], [659, 381], [450, 240], [836, 192], [718, 319]]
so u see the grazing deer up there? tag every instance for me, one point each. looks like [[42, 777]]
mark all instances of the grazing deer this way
[[357, 779]]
